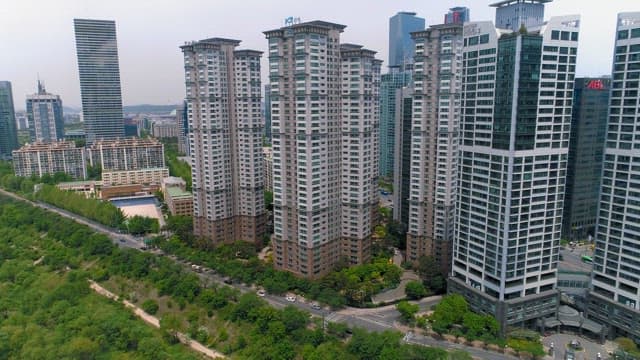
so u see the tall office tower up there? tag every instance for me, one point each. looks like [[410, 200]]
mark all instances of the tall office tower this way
[[389, 86], [267, 112], [512, 14], [586, 148], [401, 46], [182, 122], [516, 113], [324, 128], [402, 151], [99, 70], [226, 129], [457, 15], [615, 295], [434, 143], [44, 112], [8, 133]]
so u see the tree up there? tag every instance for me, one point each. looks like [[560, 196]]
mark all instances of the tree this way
[[431, 273], [170, 325], [150, 306], [407, 310], [449, 311], [415, 290]]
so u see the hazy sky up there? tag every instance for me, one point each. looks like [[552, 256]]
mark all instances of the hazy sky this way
[[36, 36]]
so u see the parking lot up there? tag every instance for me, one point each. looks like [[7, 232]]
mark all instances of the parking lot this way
[[589, 349]]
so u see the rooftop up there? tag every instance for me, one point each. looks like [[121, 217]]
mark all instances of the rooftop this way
[[175, 192], [510, 2]]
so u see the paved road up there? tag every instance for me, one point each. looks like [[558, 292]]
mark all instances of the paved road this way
[[375, 319]]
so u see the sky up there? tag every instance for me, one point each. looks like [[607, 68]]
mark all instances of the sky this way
[[37, 37]]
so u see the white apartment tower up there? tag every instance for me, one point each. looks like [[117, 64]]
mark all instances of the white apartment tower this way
[[225, 123], [514, 140], [324, 120], [434, 143], [614, 298]]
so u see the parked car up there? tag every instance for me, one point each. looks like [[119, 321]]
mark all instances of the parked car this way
[[291, 298], [228, 281], [261, 293], [315, 306]]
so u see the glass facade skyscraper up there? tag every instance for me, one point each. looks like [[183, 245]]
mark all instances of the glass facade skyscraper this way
[[614, 298], [511, 14], [401, 46], [44, 113], [8, 134], [99, 70], [389, 86], [586, 147]]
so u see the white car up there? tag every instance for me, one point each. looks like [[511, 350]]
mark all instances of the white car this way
[[291, 298], [315, 306], [261, 293]]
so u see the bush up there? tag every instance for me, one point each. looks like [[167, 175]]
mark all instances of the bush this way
[[150, 307], [415, 290]]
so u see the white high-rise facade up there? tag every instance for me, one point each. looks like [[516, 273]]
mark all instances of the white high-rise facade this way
[[514, 140], [225, 133], [434, 143], [614, 298], [324, 118]]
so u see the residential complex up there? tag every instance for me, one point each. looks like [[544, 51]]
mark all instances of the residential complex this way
[[40, 158], [584, 166], [225, 123], [434, 143], [99, 71], [144, 176], [614, 298], [402, 153], [516, 106], [162, 129], [8, 133], [325, 120], [513, 14], [44, 113], [401, 46], [389, 86], [126, 154]]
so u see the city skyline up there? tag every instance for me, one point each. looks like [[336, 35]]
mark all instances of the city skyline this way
[[144, 43]]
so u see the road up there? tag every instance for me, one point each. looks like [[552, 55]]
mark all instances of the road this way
[[375, 319]]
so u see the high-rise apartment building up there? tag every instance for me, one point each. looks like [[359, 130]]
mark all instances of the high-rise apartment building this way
[[457, 15], [401, 46], [225, 132], [614, 298], [514, 142], [99, 71], [434, 143], [267, 112], [512, 14], [126, 154], [586, 148], [44, 113], [389, 86], [40, 158], [325, 119], [8, 133]]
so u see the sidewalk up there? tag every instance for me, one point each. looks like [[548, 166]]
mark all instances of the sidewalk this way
[[397, 293]]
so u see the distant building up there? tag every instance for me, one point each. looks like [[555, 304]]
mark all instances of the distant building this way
[[586, 151], [389, 86], [126, 154], [74, 135], [512, 14], [268, 168], [179, 201], [99, 71], [173, 181], [131, 127], [41, 158], [8, 132], [402, 153], [182, 123], [267, 112], [401, 46], [163, 129], [224, 94], [21, 120], [147, 176], [457, 15], [44, 111]]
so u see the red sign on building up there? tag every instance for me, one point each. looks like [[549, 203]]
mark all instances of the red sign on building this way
[[595, 85]]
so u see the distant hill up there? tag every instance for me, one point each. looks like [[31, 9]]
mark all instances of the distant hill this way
[[148, 109]]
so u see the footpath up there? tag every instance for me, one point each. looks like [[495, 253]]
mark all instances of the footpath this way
[[154, 321]]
